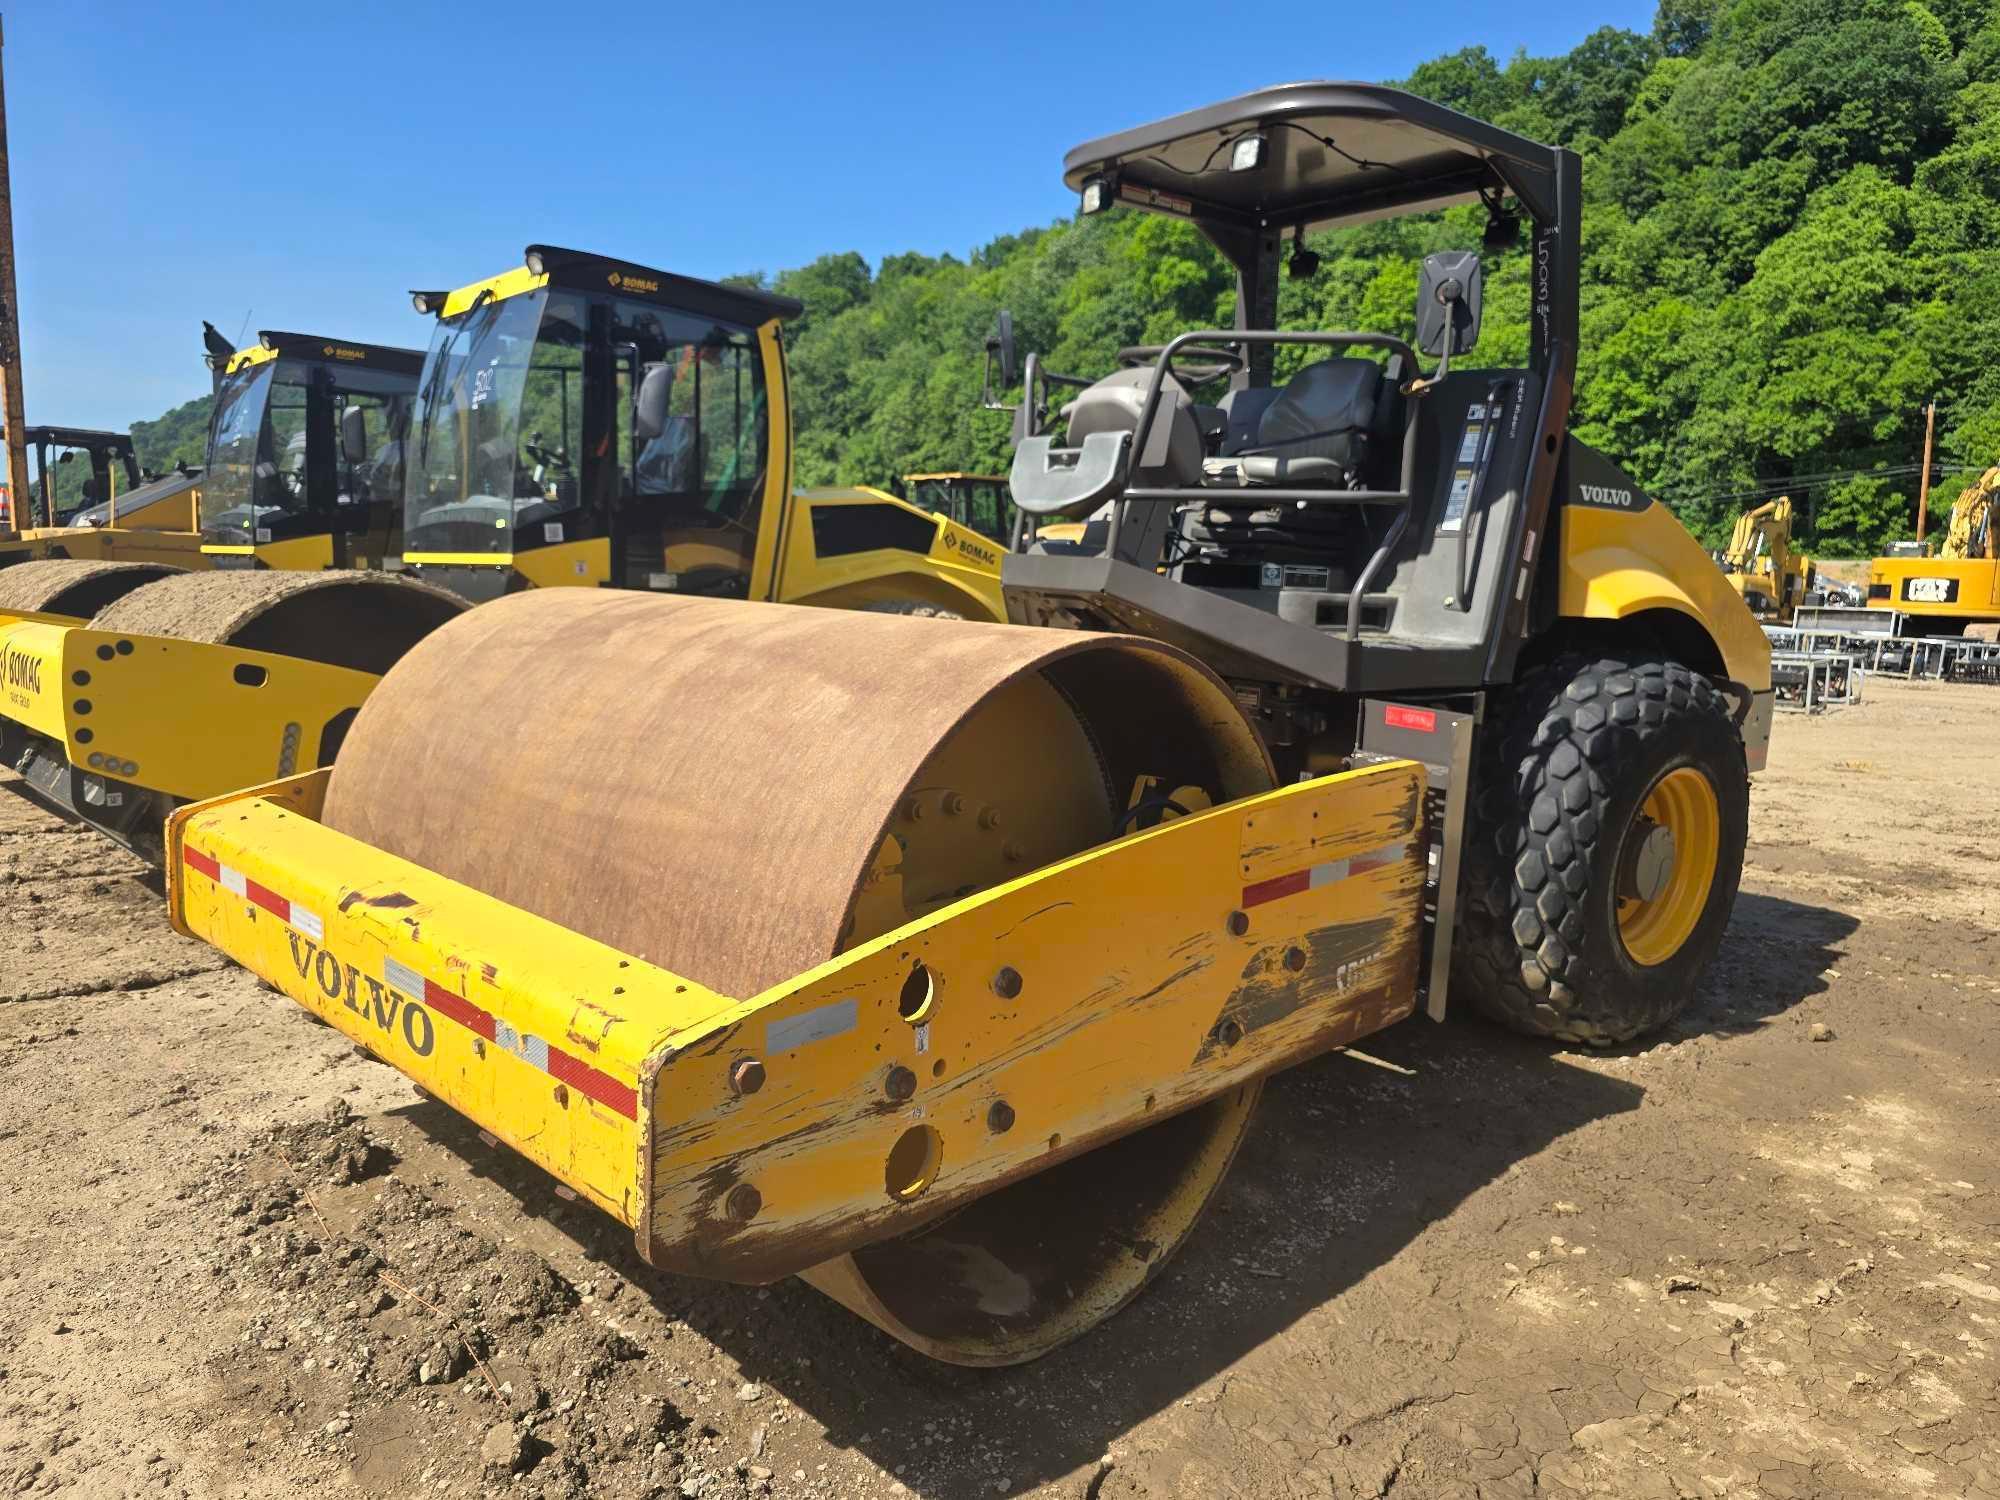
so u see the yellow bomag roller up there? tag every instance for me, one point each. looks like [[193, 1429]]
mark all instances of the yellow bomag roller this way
[[831, 944], [133, 687], [585, 421], [579, 422], [303, 468]]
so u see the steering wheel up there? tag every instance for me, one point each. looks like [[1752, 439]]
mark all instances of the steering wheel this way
[[551, 458], [1217, 361]]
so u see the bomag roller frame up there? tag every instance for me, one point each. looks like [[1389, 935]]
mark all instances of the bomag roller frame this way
[[130, 688], [940, 964]]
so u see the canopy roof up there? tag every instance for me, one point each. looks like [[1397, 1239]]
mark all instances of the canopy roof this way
[[1331, 152]]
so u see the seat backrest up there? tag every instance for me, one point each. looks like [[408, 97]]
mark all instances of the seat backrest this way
[[649, 409], [1114, 403], [1331, 398], [1243, 410]]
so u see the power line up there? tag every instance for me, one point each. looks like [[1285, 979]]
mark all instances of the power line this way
[[1810, 483]]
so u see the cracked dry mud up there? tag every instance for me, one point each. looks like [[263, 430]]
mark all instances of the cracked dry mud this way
[[236, 1259]]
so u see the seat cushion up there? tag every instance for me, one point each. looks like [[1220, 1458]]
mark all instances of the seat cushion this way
[[1320, 431], [1273, 469]]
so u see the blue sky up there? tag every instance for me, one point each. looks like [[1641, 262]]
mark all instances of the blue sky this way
[[302, 166]]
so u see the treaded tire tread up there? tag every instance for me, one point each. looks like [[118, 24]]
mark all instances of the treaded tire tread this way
[[1573, 749]]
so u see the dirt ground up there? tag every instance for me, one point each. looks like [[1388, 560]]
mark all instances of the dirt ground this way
[[237, 1259]]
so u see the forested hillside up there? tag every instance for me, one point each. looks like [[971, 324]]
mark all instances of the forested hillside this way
[[1792, 239], [180, 436]]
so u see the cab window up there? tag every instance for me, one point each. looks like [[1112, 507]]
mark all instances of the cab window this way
[[279, 481]]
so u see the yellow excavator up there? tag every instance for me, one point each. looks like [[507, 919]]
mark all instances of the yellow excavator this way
[[1761, 565], [942, 964], [1957, 592]]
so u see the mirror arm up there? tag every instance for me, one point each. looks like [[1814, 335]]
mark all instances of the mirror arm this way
[[1423, 383], [986, 401]]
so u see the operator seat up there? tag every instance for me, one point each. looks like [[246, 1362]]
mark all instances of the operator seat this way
[[1330, 426], [1336, 425]]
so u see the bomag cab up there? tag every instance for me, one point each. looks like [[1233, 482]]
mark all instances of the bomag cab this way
[[589, 421], [976, 501], [116, 513], [306, 454]]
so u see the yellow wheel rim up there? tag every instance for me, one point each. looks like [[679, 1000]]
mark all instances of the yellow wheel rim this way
[[1654, 927]]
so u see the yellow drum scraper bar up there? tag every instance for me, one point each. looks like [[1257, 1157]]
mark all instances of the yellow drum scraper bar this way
[[751, 1138]]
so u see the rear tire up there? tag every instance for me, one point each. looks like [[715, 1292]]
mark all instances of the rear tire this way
[[1605, 848], [912, 609]]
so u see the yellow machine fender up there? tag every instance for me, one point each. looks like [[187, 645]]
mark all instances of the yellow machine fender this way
[[1276, 927], [1618, 564], [577, 564], [180, 549], [171, 716], [894, 587], [304, 554], [582, 564], [852, 548], [1626, 564]]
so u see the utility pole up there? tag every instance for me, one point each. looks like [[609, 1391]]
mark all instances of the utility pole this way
[[10, 338], [1924, 486]]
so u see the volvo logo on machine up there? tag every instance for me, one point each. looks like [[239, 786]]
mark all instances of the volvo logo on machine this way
[[1608, 496], [390, 1011]]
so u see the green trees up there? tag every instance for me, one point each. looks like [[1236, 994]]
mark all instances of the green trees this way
[[178, 437], [1792, 243], [1792, 214]]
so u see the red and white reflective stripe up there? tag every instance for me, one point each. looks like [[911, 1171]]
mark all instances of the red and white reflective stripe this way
[[239, 884], [591, 1082], [1328, 873]]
